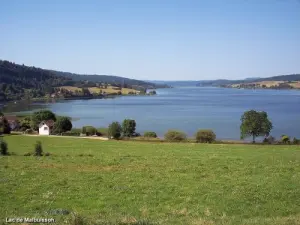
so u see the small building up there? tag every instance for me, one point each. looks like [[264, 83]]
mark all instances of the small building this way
[[45, 127]]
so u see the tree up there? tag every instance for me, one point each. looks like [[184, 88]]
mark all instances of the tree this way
[[150, 134], [3, 147], [128, 127], [41, 115], [62, 124], [38, 149], [114, 130], [285, 139], [25, 123], [4, 126], [255, 124], [205, 136]]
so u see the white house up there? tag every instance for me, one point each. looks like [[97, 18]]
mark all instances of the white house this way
[[45, 127]]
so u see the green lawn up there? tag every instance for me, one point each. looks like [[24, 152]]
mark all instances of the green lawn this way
[[111, 182]]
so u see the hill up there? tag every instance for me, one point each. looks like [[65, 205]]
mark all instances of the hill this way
[[15, 79], [124, 182], [280, 82], [20, 81], [109, 79]]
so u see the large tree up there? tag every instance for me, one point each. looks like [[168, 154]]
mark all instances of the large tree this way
[[255, 124], [128, 127], [41, 115], [62, 124], [114, 130]]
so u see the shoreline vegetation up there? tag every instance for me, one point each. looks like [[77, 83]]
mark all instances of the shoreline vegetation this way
[[253, 124], [274, 85]]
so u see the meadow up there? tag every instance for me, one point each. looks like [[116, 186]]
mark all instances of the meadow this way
[[125, 182]]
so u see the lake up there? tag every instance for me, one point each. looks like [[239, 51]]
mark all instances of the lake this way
[[184, 108]]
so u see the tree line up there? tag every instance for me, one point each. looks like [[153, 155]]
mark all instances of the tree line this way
[[253, 124], [22, 82]]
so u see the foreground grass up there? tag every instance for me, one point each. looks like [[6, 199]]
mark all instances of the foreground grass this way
[[110, 182]]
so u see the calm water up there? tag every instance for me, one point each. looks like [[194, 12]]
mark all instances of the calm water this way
[[187, 109]]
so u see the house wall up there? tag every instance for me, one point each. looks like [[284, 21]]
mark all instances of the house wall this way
[[44, 130]]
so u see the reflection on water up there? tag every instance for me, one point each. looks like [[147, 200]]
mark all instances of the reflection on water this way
[[26, 106]]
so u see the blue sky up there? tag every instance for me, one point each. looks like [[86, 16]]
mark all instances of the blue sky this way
[[157, 39]]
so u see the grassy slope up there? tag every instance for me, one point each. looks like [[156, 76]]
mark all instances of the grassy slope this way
[[161, 182]]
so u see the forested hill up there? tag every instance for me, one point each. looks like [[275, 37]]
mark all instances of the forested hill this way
[[15, 79], [20, 81], [114, 80]]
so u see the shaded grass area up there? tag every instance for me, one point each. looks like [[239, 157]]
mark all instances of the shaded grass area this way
[[111, 182]]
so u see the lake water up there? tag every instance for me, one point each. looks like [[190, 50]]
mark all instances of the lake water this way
[[187, 109]]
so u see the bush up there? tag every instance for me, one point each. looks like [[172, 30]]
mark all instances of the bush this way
[[205, 136], [175, 136], [47, 154], [4, 126], [3, 148], [269, 140], [83, 130], [62, 124], [150, 134], [103, 131], [27, 154], [114, 130], [285, 139], [90, 130], [296, 141], [128, 127], [71, 133], [38, 149], [29, 131]]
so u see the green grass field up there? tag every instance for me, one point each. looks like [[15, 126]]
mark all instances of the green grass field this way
[[111, 182]]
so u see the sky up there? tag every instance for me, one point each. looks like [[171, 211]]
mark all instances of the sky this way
[[154, 40]]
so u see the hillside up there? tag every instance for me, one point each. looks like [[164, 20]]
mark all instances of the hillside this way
[[20, 81], [16, 79], [276, 82], [109, 79]]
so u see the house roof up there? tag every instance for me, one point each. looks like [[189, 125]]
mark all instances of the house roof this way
[[49, 123]]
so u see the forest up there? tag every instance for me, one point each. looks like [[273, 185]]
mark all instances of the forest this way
[[21, 82]]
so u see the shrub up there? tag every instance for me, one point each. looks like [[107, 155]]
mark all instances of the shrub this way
[[103, 131], [150, 134], [38, 149], [71, 133], [128, 127], [175, 136], [285, 139], [62, 124], [296, 141], [29, 131], [3, 148], [27, 154], [205, 136], [269, 140], [83, 130], [4, 126], [90, 130], [114, 130]]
